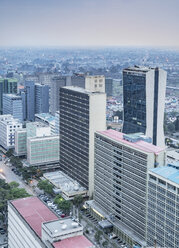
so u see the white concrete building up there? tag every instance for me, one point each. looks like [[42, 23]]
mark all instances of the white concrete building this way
[[42, 150], [95, 83], [120, 194], [8, 126], [31, 224]]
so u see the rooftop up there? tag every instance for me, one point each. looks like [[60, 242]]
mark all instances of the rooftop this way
[[13, 96], [45, 117], [59, 226], [81, 90], [64, 182], [168, 173], [34, 212], [75, 242], [139, 145], [138, 69]]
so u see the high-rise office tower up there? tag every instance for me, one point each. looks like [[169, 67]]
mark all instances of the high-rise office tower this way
[[144, 102], [35, 99], [120, 194], [41, 98], [82, 112], [7, 86], [163, 207], [12, 104], [29, 101]]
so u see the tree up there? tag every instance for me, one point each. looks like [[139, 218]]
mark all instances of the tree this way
[[46, 186], [9, 153], [171, 127], [77, 201], [14, 184], [105, 243], [65, 206], [98, 236], [58, 199]]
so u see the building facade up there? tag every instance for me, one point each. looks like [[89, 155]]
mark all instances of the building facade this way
[[163, 207], [109, 86], [7, 86], [42, 150], [12, 104], [21, 142], [41, 98], [8, 126], [121, 164], [81, 113], [144, 102]]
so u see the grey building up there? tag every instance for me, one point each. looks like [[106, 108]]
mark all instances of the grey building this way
[[120, 194], [29, 101], [41, 98], [163, 207], [109, 86], [7, 86], [144, 102], [12, 104], [81, 113]]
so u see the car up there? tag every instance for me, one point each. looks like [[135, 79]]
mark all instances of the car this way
[[62, 215]]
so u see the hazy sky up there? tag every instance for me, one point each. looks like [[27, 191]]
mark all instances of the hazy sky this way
[[89, 22]]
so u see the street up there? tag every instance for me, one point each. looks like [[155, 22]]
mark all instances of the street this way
[[8, 175]]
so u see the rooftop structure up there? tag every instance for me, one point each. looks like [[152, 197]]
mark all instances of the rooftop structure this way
[[66, 184], [168, 173], [35, 212], [139, 144]]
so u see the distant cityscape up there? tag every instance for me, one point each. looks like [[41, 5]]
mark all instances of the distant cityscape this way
[[89, 147]]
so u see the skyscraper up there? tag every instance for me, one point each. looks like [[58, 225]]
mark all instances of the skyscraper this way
[[29, 101], [7, 86], [35, 98], [82, 112], [12, 104], [41, 98], [144, 102]]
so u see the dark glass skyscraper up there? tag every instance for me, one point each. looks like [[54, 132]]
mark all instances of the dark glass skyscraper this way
[[144, 101]]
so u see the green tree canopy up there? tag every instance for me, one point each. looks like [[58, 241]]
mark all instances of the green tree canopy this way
[[46, 186], [77, 201]]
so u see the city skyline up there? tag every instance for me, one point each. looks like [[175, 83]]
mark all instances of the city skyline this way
[[89, 23]]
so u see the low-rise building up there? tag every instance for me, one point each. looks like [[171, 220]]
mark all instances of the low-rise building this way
[[68, 187], [42, 150], [31, 224]]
